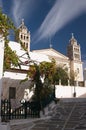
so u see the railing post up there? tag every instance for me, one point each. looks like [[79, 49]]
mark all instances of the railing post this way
[[25, 106], [9, 105]]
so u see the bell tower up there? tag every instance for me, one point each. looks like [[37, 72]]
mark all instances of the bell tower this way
[[74, 54], [73, 50], [24, 36]]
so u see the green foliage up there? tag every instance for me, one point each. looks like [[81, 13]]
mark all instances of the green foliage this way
[[51, 74], [10, 56], [48, 69], [35, 72], [31, 72], [5, 25], [17, 35], [62, 75]]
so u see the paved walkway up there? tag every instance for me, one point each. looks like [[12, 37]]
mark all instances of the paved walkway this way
[[67, 115]]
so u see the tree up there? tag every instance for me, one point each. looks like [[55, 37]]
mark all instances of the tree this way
[[43, 88], [62, 75], [73, 77], [10, 56], [48, 70], [50, 75]]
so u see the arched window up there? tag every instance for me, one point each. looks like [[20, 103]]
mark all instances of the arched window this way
[[27, 37], [21, 36], [24, 37], [26, 45]]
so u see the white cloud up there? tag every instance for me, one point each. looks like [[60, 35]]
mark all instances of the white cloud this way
[[21, 9], [61, 13]]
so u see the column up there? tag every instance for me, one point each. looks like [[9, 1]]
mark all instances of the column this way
[[68, 82], [59, 81]]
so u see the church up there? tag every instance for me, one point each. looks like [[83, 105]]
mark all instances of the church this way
[[11, 78], [72, 61]]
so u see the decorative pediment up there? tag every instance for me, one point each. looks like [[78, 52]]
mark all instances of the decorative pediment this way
[[52, 53]]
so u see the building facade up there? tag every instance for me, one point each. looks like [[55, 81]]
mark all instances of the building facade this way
[[72, 61]]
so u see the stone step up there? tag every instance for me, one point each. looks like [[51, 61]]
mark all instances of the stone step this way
[[66, 116], [21, 126]]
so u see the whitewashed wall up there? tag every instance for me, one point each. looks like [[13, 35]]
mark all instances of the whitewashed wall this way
[[68, 91]]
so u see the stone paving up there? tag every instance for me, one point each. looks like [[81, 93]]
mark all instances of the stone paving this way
[[65, 116]]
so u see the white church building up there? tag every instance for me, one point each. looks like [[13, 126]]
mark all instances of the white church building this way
[[11, 79]]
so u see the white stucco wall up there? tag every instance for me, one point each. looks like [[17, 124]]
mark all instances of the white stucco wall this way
[[14, 75], [68, 91]]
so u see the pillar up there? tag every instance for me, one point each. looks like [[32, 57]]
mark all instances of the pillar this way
[[59, 81], [68, 82]]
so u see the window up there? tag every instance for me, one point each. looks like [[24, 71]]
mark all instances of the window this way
[[12, 93], [26, 45], [76, 56], [76, 49], [21, 36], [24, 37]]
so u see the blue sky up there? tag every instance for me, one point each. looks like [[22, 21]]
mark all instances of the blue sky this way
[[50, 21]]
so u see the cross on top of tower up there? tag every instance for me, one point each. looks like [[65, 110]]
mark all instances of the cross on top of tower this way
[[22, 21], [72, 35], [51, 45]]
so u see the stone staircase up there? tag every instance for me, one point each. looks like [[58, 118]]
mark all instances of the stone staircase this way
[[68, 114]]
